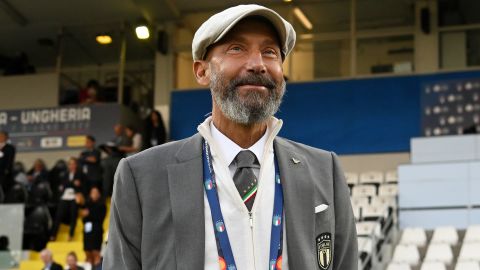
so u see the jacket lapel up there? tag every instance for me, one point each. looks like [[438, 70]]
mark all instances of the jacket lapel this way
[[186, 198], [299, 202]]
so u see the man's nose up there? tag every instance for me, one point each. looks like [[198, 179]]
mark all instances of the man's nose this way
[[256, 62]]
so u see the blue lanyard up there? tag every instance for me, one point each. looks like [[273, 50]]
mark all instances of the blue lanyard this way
[[224, 249]]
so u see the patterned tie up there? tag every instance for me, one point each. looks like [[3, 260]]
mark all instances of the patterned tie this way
[[244, 178]]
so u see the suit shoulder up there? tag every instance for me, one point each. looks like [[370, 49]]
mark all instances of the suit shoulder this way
[[302, 148], [165, 153]]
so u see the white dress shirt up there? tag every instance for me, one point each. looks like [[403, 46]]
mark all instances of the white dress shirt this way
[[250, 244]]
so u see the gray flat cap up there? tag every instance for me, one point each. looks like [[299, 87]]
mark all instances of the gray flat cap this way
[[212, 30]]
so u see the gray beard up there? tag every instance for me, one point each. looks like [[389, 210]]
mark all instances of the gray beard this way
[[255, 108]]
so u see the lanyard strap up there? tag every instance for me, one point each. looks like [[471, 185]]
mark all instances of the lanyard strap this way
[[225, 254]]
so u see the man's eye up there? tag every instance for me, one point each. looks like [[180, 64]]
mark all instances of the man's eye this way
[[271, 52], [235, 49]]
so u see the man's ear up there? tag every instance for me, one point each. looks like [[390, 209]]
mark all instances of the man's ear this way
[[202, 72]]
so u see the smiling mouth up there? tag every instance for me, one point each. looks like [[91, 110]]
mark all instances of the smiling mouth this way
[[253, 87]]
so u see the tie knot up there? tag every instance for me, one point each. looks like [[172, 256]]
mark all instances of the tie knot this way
[[246, 159]]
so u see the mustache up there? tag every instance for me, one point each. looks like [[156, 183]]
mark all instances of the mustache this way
[[255, 79]]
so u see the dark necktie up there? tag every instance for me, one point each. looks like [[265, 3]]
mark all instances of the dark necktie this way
[[244, 178]]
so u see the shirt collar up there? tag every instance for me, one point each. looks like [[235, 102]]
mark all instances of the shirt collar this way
[[230, 149], [273, 127]]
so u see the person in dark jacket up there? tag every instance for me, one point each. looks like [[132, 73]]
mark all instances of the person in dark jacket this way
[[93, 214], [38, 187], [72, 262], [155, 133], [7, 157], [47, 258], [72, 188], [89, 162]]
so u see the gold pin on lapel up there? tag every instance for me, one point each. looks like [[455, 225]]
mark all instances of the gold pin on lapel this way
[[295, 161]]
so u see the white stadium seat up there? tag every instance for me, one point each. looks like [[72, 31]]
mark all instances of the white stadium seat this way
[[388, 201], [473, 234], [391, 176], [470, 252], [414, 236], [433, 266], [374, 212], [364, 190], [361, 201], [371, 177], [407, 254], [365, 244], [388, 190], [351, 178], [447, 235], [369, 228], [467, 266], [439, 253], [398, 266]]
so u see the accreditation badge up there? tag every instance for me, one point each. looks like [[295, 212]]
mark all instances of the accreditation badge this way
[[324, 250]]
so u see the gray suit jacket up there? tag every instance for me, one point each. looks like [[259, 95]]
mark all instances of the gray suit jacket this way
[[157, 210]]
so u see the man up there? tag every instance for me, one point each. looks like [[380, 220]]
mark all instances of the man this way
[[47, 258], [72, 262], [110, 163], [7, 158], [218, 199], [90, 164]]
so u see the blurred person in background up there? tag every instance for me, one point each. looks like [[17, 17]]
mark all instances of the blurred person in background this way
[[37, 173], [38, 186], [72, 188], [7, 157], [4, 243], [93, 214], [134, 140], [47, 258], [36, 227], [89, 94], [56, 176], [155, 133], [90, 164], [19, 174], [72, 261], [110, 163]]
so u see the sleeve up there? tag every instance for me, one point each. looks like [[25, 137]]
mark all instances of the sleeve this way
[[125, 231], [11, 160], [346, 246]]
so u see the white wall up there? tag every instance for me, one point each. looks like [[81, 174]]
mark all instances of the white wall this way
[[29, 91], [454, 50], [373, 52]]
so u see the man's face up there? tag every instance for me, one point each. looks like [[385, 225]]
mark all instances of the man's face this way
[[72, 165], [246, 75], [71, 261], [118, 129], [3, 137]]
